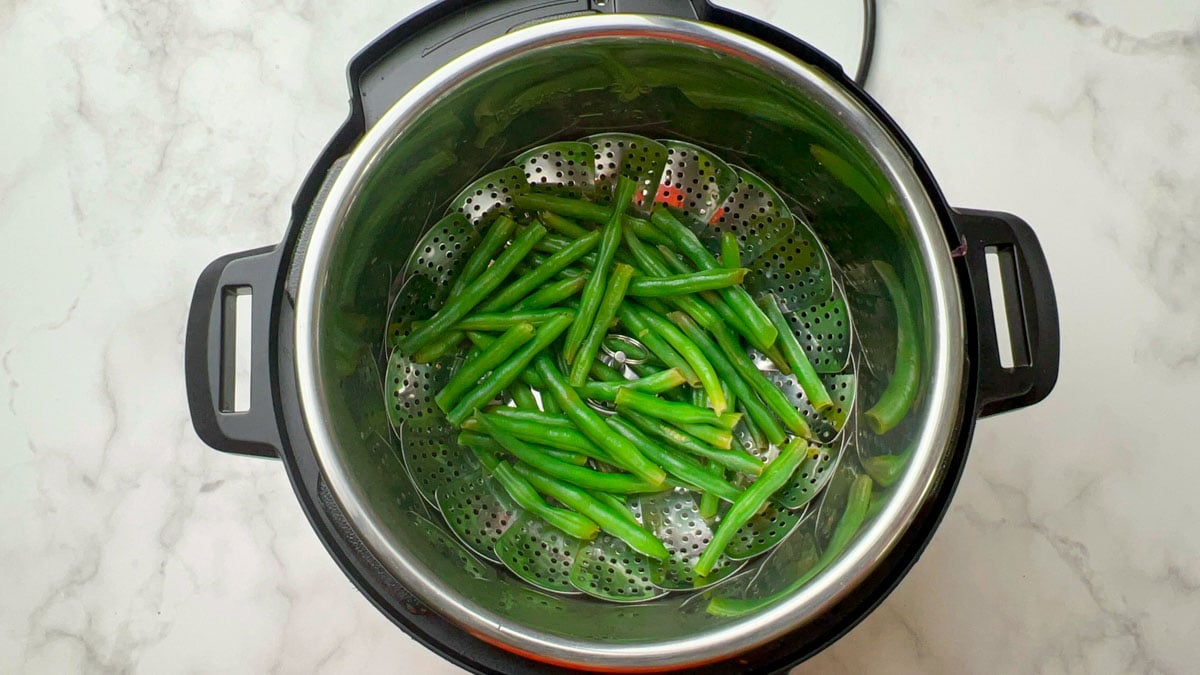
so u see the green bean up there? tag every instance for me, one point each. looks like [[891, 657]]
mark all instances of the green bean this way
[[578, 476], [475, 438], [735, 459], [709, 501], [538, 276], [562, 225], [585, 264], [606, 312], [618, 504], [714, 436], [672, 260], [468, 375], [806, 375], [563, 206], [646, 230], [755, 410], [645, 370], [438, 348], [475, 292], [901, 390], [524, 494], [645, 256], [549, 405], [551, 436], [682, 467], [762, 333], [691, 353], [506, 320], [552, 245], [497, 235], [651, 384], [886, 469], [683, 284], [622, 452], [731, 253], [478, 262], [879, 501], [606, 373], [593, 291], [586, 211], [503, 374], [775, 355], [671, 411], [536, 416], [727, 313], [766, 390], [608, 518], [852, 519], [655, 343], [552, 294], [522, 395], [652, 264], [483, 340], [718, 304], [773, 478]]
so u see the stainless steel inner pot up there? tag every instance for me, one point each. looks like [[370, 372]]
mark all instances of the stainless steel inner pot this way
[[561, 80]]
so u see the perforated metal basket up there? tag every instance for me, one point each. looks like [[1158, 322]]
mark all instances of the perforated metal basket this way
[[742, 134]]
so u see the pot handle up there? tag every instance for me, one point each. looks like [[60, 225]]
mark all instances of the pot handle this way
[[1031, 309], [210, 347]]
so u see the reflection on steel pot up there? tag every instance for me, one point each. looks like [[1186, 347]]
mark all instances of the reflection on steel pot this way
[[459, 91]]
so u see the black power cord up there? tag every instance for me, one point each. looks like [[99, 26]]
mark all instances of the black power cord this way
[[868, 44]]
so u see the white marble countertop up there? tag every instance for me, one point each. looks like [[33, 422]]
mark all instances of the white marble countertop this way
[[140, 140]]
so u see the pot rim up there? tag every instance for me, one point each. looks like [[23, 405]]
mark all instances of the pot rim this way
[[827, 588]]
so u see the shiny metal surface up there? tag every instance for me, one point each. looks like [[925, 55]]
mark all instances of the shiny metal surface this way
[[580, 633]]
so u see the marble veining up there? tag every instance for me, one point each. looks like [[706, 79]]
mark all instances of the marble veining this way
[[139, 140]]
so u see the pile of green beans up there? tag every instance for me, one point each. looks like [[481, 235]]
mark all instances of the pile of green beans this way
[[569, 436]]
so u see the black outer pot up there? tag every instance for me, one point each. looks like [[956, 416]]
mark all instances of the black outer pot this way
[[274, 426]]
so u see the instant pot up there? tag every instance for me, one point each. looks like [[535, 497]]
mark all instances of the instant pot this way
[[459, 89]]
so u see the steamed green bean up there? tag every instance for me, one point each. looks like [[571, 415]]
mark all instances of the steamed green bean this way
[[901, 390], [475, 292], [593, 291], [606, 313], [773, 478], [604, 515]]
